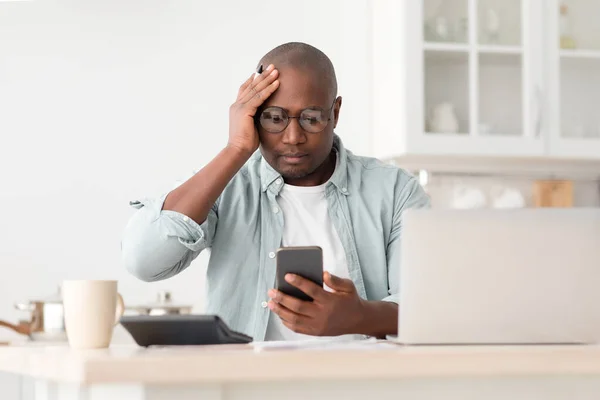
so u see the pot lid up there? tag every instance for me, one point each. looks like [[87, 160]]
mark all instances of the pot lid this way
[[56, 297], [164, 301], [30, 305]]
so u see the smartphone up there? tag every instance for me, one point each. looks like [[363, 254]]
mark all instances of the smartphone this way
[[306, 262]]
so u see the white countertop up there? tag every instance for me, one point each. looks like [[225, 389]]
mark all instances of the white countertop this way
[[242, 363]]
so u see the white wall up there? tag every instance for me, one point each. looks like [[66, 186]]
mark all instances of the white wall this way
[[105, 101]]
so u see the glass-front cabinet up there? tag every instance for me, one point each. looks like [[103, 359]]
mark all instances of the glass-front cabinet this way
[[574, 60], [483, 77]]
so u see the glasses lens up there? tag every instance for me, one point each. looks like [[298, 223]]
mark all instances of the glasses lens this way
[[313, 120], [273, 119]]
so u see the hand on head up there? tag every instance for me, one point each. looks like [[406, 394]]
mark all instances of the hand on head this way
[[243, 134], [290, 110]]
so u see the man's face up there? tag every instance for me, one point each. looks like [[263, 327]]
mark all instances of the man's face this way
[[295, 152]]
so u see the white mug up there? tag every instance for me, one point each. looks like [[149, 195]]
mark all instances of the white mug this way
[[504, 197], [465, 197], [92, 309]]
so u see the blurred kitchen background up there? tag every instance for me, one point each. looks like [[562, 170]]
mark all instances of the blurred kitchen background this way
[[491, 103]]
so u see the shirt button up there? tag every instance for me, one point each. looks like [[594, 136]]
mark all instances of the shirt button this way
[[275, 210], [263, 304], [186, 218], [344, 190], [278, 181], [271, 255]]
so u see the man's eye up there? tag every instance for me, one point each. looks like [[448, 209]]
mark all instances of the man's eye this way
[[311, 119], [273, 117]]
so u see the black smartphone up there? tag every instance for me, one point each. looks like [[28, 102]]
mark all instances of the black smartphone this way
[[306, 262]]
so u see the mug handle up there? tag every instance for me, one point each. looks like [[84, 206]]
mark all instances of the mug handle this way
[[120, 309]]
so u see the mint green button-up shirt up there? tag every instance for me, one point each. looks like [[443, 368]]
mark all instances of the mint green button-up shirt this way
[[244, 228]]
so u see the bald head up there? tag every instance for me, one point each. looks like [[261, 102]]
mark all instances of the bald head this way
[[303, 57], [306, 93]]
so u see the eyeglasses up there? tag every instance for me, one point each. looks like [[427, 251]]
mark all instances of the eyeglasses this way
[[312, 119]]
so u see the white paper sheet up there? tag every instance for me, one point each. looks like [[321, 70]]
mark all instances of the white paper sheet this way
[[367, 344]]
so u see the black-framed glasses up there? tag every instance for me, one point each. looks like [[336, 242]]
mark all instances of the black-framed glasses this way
[[312, 119]]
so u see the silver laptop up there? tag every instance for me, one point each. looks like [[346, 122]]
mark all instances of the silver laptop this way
[[500, 276]]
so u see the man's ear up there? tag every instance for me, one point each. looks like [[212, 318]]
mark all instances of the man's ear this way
[[336, 110]]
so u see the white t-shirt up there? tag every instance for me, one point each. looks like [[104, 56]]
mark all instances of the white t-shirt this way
[[307, 223]]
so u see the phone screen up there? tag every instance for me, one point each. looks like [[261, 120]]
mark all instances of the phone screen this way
[[303, 261]]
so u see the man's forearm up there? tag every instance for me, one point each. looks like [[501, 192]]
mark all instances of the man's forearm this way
[[380, 318], [197, 195]]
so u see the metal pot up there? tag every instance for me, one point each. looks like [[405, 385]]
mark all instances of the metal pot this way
[[46, 319], [162, 306]]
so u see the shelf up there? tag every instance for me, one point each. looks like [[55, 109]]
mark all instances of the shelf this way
[[446, 47], [504, 59], [582, 139], [446, 134], [480, 134], [493, 49], [446, 57], [458, 53], [463, 48], [581, 54], [541, 167]]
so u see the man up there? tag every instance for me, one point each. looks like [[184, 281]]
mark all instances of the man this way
[[302, 188]]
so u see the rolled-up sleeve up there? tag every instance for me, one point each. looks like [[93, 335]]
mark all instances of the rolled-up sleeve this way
[[409, 195], [158, 244]]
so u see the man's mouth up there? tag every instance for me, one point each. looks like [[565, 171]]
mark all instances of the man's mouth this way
[[294, 158]]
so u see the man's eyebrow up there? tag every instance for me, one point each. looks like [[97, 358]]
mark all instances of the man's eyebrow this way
[[274, 105], [287, 110]]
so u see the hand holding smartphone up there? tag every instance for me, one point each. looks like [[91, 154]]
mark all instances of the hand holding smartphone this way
[[306, 262]]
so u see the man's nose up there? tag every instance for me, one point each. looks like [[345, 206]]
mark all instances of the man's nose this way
[[294, 134]]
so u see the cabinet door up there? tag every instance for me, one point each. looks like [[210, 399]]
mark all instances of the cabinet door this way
[[10, 386], [573, 57], [469, 77]]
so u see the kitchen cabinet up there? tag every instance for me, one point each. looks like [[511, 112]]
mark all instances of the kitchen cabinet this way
[[486, 78], [573, 77]]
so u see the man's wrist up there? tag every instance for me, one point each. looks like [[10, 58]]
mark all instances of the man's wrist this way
[[377, 318], [238, 152]]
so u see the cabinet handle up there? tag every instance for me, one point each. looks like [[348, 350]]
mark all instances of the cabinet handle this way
[[538, 100]]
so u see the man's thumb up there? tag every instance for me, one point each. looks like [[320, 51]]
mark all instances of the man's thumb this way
[[338, 284]]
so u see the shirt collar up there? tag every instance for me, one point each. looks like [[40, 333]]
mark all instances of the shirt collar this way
[[268, 176]]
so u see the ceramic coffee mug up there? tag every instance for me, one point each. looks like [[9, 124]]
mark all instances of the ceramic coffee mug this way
[[92, 309]]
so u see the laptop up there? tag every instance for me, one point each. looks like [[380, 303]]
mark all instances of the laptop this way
[[524, 276]]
